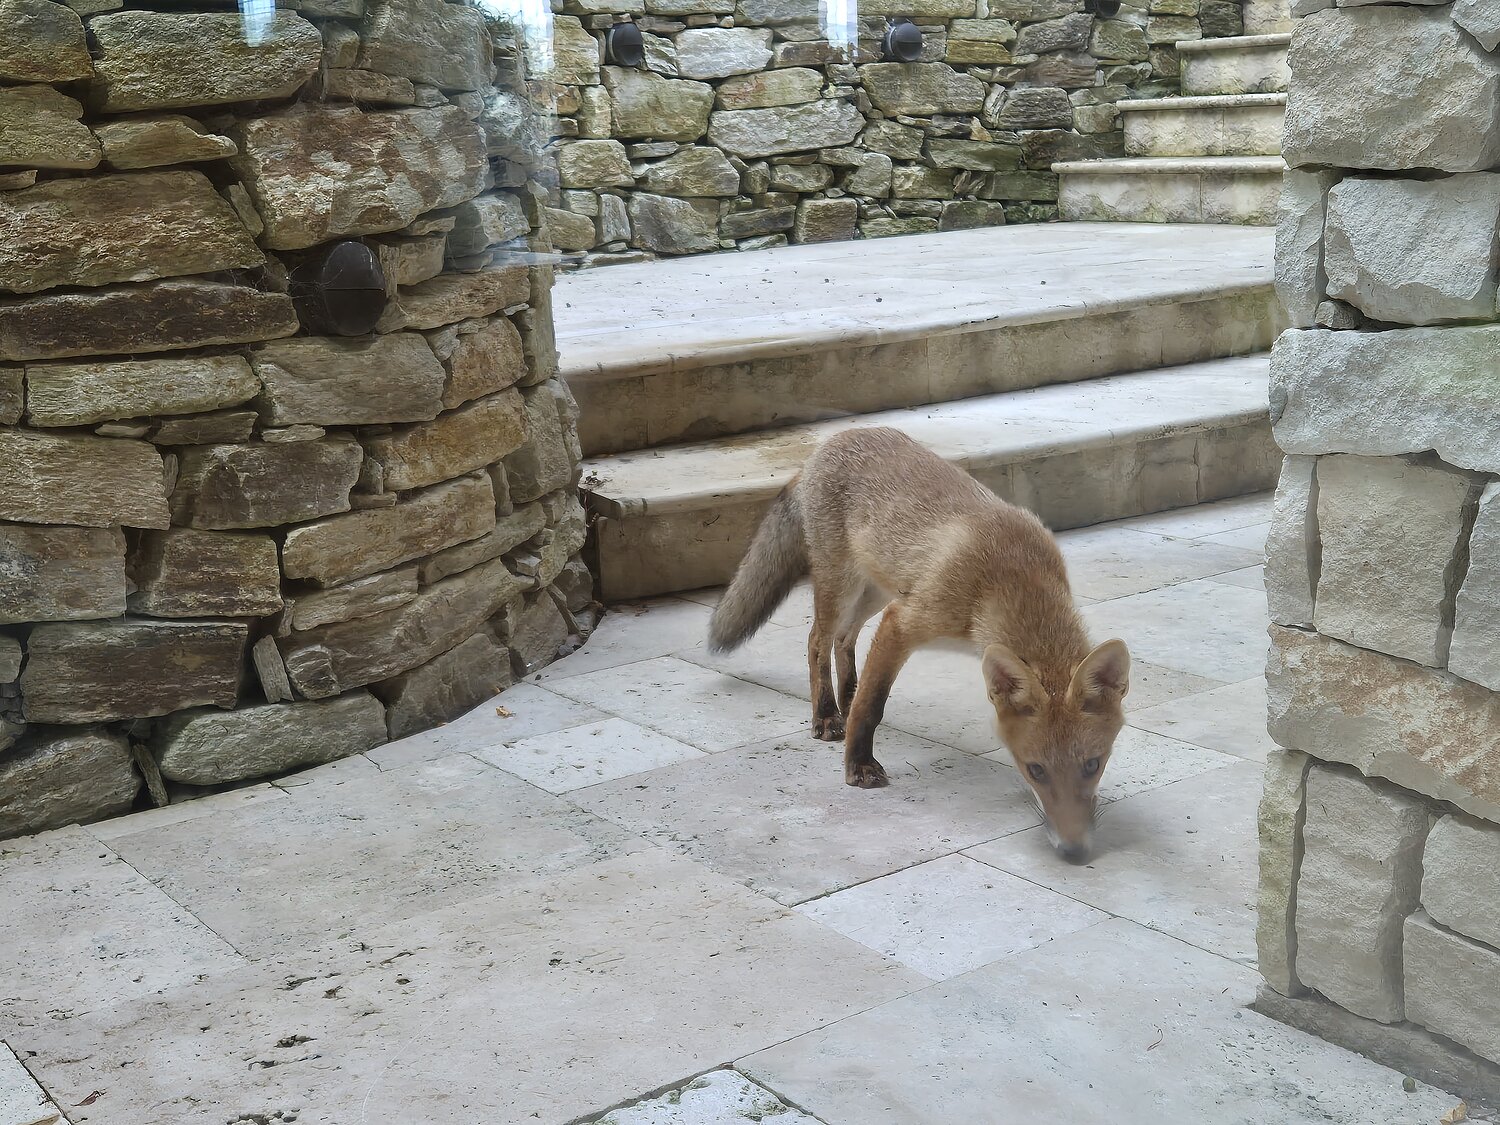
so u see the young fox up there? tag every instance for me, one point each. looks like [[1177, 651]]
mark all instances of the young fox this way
[[881, 522]]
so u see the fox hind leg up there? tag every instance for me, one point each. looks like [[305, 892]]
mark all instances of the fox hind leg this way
[[832, 592], [868, 602]]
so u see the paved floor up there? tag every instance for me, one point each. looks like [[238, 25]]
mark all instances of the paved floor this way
[[639, 878]]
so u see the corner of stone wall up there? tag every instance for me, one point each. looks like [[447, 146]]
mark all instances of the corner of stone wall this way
[[235, 538]]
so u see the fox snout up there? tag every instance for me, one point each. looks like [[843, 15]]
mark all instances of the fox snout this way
[[1070, 827]]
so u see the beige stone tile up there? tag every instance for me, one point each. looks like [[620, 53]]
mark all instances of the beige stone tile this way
[[1231, 718], [1111, 562], [1201, 628], [634, 631], [1206, 519], [585, 755]]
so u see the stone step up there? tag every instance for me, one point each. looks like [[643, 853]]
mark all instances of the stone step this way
[[1240, 64], [680, 517], [1217, 125], [1172, 189], [723, 344]]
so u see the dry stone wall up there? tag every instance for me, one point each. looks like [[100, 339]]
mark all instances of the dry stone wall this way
[[747, 126], [1380, 826], [234, 541]]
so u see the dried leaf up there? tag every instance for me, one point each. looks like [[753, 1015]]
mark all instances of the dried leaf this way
[[1160, 1035], [91, 1099], [1458, 1113], [504, 712]]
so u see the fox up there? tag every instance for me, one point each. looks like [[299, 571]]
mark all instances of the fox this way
[[881, 523]]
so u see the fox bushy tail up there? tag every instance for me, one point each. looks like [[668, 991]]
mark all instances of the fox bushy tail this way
[[776, 559]]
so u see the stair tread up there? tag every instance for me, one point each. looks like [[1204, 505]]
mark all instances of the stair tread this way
[[1201, 102], [1235, 42], [1172, 165], [994, 429]]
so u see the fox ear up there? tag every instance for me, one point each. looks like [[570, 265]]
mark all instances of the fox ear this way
[[1010, 681], [1103, 679]]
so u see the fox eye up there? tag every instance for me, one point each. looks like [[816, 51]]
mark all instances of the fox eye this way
[[1037, 771], [1091, 767]]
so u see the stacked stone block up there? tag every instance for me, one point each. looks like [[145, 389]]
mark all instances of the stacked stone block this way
[[1380, 827], [747, 126], [231, 542]]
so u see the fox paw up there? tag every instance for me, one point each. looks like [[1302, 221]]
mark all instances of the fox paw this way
[[829, 729], [866, 775]]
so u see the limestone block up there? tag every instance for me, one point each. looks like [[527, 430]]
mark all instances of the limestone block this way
[[826, 220], [12, 395], [77, 394], [1393, 538], [976, 156], [1300, 280], [215, 428], [80, 479], [10, 660], [188, 573], [126, 669], [1458, 877], [1481, 19], [793, 85], [1170, 30], [483, 361], [165, 60], [457, 442], [43, 42], [41, 128], [446, 687], [411, 261], [485, 221], [568, 230], [101, 229], [1475, 650], [700, 171], [355, 544], [1360, 877], [594, 164], [575, 52], [453, 297], [897, 141], [1069, 33], [1415, 251], [209, 747], [873, 177], [508, 533], [65, 778], [914, 181], [967, 214], [61, 573], [536, 634], [1425, 730], [360, 598], [643, 104], [222, 487], [1443, 114], [1283, 810], [550, 456], [565, 538], [1453, 985], [1045, 108], [674, 226], [719, 52], [391, 168], [1119, 40], [922, 10], [1293, 554], [333, 658], [440, 44], [755, 133], [1384, 393], [921, 89], [346, 381], [366, 88], [149, 142]]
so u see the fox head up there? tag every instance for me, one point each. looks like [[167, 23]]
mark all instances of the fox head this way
[[1061, 743]]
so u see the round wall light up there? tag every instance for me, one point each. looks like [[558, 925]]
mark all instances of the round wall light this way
[[1106, 8], [624, 46], [341, 291], [902, 42]]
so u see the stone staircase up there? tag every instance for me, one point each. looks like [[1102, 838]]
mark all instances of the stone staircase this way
[[1211, 155], [1089, 372]]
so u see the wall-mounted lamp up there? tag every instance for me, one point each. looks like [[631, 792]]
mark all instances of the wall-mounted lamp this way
[[1106, 8], [902, 42], [340, 291], [624, 46]]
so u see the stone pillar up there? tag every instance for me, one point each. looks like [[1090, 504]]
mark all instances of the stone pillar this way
[[1379, 887], [235, 540]]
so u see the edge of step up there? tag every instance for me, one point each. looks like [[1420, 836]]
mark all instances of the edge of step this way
[[1174, 166], [1235, 43], [1202, 102]]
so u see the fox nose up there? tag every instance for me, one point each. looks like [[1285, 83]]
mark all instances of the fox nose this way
[[1073, 853]]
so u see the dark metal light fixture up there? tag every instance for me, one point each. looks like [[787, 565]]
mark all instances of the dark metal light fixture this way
[[902, 42], [624, 46], [340, 291], [1106, 8]]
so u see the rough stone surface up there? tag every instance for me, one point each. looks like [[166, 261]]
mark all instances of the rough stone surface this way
[[1360, 877], [1460, 861], [149, 142], [1427, 731], [187, 573], [922, 88], [60, 573], [594, 164], [1283, 810], [1481, 19], [753, 133], [451, 298], [1473, 653], [346, 381], [55, 478], [163, 315], [211, 747], [391, 168], [205, 429], [547, 461], [483, 361], [1388, 583], [643, 104], [1300, 280], [485, 221], [508, 533], [538, 632], [696, 171], [99, 671], [40, 128], [447, 687], [1293, 554], [164, 60], [355, 544], [674, 226], [360, 598], [440, 44], [102, 229], [77, 394], [1453, 986], [718, 52], [262, 485], [44, 42], [1438, 92], [789, 86], [1415, 251], [826, 220], [1386, 393], [471, 437], [65, 778]]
